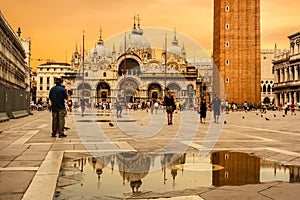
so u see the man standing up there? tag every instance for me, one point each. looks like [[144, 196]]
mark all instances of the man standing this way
[[216, 104], [57, 97]]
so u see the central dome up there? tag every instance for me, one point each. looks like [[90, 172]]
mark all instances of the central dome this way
[[134, 41], [100, 51], [175, 48]]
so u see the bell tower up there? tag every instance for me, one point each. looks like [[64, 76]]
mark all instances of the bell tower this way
[[236, 50]]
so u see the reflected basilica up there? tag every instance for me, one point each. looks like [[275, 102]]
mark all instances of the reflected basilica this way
[[144, 172]]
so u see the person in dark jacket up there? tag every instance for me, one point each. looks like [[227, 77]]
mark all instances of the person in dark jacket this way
[[57, 96], [170, 106]]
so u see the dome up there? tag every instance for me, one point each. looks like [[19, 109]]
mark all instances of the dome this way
[[100, 51], [175, 49], [134, 41]]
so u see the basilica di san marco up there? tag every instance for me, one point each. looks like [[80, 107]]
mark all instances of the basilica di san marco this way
[[135, 74]]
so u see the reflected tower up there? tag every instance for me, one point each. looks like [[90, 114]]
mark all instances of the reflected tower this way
[[239, 168]]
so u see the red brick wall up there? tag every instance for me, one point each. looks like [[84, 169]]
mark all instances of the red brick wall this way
[[243, 52]]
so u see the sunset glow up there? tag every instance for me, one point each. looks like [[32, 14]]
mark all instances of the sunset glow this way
[[55, 27]]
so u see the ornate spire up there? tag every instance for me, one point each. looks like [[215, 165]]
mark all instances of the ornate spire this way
[[114, 49], [139, 30], [175, 41], [76, 49], [183, 51], [138, 19], [134, 30], [19, 31], [100, 41]]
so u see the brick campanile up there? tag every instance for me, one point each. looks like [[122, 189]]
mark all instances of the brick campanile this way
[[236, 50]]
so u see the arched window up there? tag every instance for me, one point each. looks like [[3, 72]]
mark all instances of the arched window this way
[[264, 88], [269, 88]]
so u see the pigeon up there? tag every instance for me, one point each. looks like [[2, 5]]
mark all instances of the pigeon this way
[[261, 115], [243, 117], [283, 115], [274, 115], [267, 119], [111, 124], [225, 122], [256, 113]]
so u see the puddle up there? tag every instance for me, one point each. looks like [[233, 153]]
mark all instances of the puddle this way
[[125, 175]]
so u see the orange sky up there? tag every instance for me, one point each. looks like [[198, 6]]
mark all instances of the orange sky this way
[[55, 26]]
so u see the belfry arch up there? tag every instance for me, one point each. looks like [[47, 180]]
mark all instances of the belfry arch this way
[[132, 67]]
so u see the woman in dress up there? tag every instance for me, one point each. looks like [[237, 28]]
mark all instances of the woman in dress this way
[[203, 109]]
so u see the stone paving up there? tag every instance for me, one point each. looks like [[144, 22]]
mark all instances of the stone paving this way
[[30, 160]]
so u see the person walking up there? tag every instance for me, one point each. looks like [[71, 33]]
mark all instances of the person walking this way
[[119, 106], [203, 109], [216, 104], [156, 105], [57, 96], [293, 108], [170, 106]]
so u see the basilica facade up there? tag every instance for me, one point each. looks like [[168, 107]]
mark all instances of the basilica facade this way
[[134, 72]]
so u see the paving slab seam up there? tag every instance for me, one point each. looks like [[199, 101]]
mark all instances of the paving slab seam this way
[[263, 129], [291, 153], [22, 140], [47, 174], [260, 191], [19, 168], [251, 136]]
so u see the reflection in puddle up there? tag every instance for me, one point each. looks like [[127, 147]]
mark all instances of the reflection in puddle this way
[[127, 174]]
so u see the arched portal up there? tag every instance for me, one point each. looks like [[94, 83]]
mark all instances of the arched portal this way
[[175, 88], [103, 92], [129, 89], [267, 100], [154, 91], [84, 90], [132, 67]]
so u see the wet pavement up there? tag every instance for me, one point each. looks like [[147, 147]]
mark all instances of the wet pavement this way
[[248, 157], [131, 174]]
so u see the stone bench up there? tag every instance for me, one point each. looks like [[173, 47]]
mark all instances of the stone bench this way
[[19, 113], [3, 117]]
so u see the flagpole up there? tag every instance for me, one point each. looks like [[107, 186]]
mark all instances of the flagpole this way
[[82, 102], [124, 70], [83, 62], [165, 62]]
